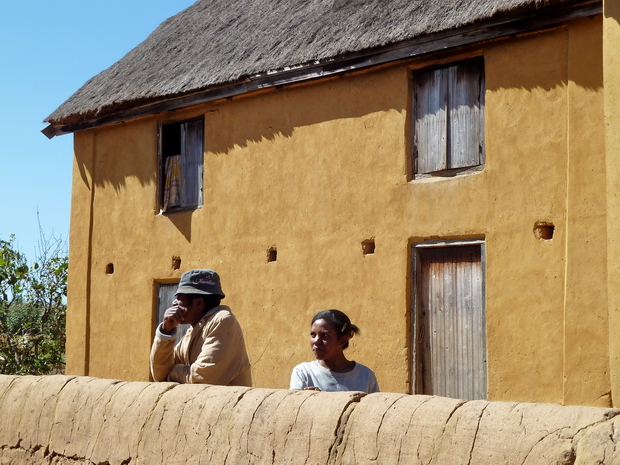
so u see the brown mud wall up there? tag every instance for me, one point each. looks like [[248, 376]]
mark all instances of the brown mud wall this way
[[82, 420]]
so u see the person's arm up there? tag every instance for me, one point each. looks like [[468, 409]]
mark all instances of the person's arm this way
[[162, 353], [373, 385], [221, 356], [298, 380]]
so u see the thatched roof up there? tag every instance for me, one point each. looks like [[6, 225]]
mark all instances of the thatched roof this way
[[215, 42]]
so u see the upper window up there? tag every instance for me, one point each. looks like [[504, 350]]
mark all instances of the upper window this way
[[448, 119], [181, 159]]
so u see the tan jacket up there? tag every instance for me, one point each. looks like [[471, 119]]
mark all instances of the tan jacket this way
[[211, 352]]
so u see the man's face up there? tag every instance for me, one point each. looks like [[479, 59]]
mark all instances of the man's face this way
[[193, 308]]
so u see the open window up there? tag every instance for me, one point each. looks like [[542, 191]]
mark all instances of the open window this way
[[181, 161], [448, 119], [449, 320]]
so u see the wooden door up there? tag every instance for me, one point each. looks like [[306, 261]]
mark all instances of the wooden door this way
[[450, 322]]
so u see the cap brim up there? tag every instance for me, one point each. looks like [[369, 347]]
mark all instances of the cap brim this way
[[193, 290]]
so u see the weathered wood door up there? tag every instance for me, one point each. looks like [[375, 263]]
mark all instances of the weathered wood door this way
[[450, 322]]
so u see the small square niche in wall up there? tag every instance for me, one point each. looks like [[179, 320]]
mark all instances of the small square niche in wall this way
[[368, 247], [544, 231], [272, 254]]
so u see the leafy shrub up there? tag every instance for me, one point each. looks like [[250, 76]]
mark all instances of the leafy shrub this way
[[33, 308]]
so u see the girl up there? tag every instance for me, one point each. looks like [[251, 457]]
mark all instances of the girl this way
[[332, 371]]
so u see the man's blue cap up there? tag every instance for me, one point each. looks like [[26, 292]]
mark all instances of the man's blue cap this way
[[206, 282]]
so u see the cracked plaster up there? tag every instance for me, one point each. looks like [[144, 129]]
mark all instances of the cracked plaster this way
[[79, 420]]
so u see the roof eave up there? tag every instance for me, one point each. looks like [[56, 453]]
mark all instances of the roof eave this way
[[525, 22]]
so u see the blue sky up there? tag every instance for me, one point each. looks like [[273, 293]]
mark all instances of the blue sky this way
[[48, 50]]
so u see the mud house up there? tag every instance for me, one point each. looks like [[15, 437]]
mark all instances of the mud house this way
[[444, 172]]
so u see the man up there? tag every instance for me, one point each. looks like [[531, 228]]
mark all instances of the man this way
[[213, 350]]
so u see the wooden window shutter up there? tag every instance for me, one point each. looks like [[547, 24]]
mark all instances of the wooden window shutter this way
[[466, 115], [449, 118], [431, 102], [161, 174], [192, 162]]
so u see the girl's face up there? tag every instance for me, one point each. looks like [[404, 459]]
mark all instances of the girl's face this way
[[325, 341]]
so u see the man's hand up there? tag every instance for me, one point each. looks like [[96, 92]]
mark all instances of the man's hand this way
[[173, 317]]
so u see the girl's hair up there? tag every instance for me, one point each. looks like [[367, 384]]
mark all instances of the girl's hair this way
[[339, 321]]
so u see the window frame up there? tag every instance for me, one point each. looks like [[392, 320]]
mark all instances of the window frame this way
[[448, 170], [191, 163]]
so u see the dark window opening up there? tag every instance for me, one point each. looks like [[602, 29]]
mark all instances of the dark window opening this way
[[181, 162]]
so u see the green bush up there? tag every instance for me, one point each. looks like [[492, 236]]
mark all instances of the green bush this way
[[33, 308]]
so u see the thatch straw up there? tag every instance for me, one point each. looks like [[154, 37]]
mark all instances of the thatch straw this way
[[221, 41]]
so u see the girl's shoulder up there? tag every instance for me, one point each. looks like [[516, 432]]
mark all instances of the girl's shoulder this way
[[362, 368], [307, 366]]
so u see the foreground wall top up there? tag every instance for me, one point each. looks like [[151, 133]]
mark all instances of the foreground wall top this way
[[62, 419]]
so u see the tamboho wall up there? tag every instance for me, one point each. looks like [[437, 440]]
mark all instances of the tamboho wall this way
[[316, 169], [81, 420]]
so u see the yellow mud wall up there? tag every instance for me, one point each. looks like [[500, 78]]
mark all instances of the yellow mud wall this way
[[316, 169], [586, 350], [546, 300], [611, 61], [78, 294]]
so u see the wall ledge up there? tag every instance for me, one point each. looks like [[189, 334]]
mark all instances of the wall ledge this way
[[81, 420]]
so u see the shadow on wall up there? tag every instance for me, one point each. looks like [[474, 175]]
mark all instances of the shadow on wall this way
[[124, 155], [279, 112], [612, 11], [129, 150]]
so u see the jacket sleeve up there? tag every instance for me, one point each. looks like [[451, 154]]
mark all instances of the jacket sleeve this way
[[162, 354], [221, 355]]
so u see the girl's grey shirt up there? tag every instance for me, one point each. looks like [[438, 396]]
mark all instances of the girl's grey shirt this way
[[312, 374]]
